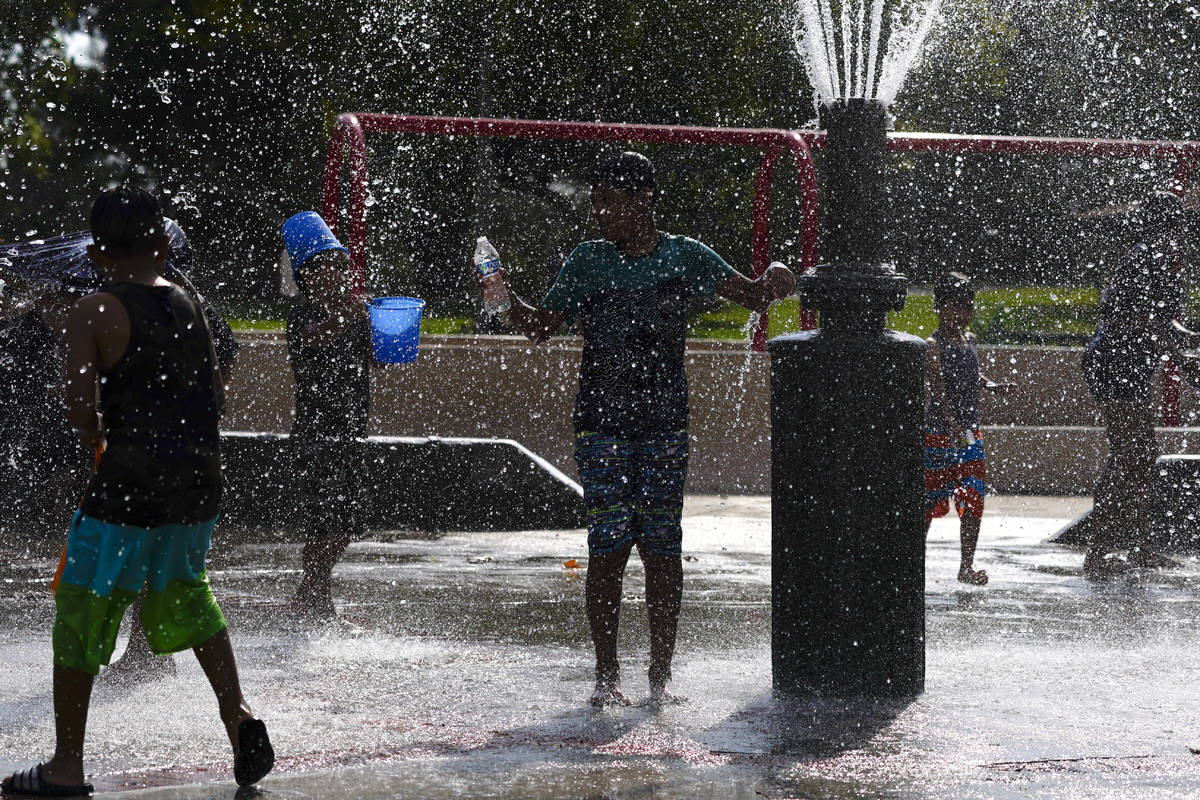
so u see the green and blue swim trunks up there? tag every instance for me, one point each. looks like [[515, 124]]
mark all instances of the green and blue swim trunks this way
[[105, 567]]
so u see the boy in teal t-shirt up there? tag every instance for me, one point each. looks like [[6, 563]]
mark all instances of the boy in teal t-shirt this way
[[629, 294]]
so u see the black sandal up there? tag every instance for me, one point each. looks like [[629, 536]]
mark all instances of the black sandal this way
[[30, 783], [254, 756]]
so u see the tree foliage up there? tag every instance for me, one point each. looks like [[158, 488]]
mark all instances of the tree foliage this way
[[224, 107]]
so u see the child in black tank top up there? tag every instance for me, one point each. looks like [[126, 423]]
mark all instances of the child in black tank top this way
[[151, 506]]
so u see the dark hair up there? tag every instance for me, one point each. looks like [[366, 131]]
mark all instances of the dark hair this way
[[629, 171], [126, 219], [951, 286]]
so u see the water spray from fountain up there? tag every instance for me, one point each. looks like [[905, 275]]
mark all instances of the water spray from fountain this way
[[857, 56]]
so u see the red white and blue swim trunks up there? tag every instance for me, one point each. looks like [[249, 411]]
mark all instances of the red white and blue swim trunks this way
[[954, 471]]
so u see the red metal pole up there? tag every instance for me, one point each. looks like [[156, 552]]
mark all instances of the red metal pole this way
[[347, 132], [809, 230], [331, 190], [810, 225], [578, 131], [760, 239]]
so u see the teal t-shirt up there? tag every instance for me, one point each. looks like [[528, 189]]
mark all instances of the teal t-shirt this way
[[633, 316], [598, 265]]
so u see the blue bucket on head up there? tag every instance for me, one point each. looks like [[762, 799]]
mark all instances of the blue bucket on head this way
[[395, 328]]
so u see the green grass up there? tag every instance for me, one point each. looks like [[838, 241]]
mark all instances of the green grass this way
[[729, 321], [1024, 315], [443, 325], [243, 324], [1017, 315]]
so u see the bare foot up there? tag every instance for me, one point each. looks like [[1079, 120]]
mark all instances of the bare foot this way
[[312, 606], [662, 696], [608, 695], [972, 577], [1099, 566]]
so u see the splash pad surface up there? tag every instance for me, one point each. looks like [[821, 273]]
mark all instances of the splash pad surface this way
[[463, 665]]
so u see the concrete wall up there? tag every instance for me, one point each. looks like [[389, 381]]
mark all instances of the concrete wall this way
[[1044, 439]]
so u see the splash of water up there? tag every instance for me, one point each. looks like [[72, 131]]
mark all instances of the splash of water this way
[[858, 56], [737, 389]]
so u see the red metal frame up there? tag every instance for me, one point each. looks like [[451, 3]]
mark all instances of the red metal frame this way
[[349, 132]]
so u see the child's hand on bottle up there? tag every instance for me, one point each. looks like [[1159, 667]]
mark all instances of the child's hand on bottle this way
[[480, 279], [779, 280]]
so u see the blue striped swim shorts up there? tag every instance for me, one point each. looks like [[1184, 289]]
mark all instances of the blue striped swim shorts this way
[[633, 490]]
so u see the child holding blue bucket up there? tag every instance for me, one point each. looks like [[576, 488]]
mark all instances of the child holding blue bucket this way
[[629, 293], [329, 347]]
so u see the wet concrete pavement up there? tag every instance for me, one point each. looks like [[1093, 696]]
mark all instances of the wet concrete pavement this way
[[463, 666]]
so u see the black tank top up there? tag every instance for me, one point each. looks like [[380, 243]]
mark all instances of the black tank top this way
[[163, 463], [960, 374]]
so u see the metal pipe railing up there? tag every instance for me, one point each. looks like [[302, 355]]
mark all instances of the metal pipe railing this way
[[349, 133]]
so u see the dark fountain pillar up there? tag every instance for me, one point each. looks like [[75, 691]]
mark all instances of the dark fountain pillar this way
[[847, 527]]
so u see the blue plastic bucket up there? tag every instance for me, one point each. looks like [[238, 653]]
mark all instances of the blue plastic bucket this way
[[395, 328]]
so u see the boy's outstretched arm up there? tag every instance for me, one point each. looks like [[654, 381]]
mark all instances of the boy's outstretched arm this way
[[998, 387], [83, 357], [757, 295], [935, 385], [538, 324]]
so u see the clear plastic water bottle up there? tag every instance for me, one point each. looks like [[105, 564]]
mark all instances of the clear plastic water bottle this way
[[495, 290]]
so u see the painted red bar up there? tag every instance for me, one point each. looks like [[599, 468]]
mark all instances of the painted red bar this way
[[331, 188], [578, 131], [810, 215], [760, 237], [348, 134], [904, 141], [809, 232]]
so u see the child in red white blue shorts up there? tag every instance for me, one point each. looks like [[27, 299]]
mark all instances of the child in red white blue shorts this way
[[955, 464]]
